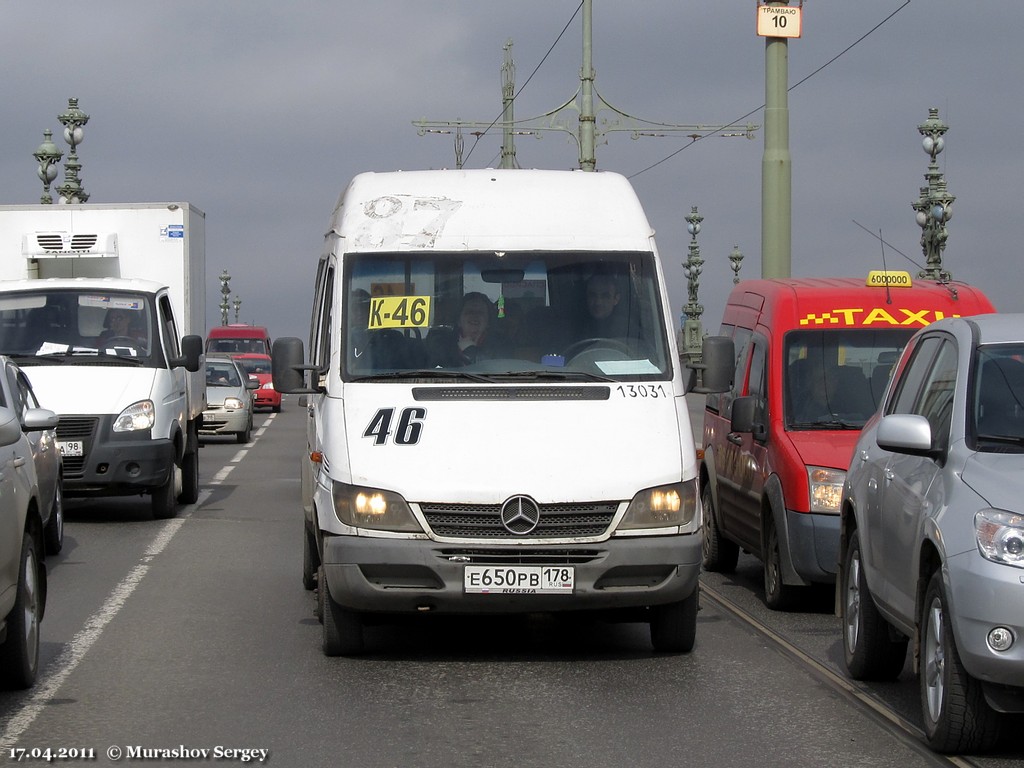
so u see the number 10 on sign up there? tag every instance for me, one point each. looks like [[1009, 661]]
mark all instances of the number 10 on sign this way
[[779, 20]]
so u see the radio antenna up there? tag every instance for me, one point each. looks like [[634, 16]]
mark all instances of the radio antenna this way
[[885, 269]]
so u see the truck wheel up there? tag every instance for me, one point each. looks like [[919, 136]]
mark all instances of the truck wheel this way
[[310, 559], [342, 630], [956, 715], [19, 655], [164, 500], [190, 476], [870, 650], [674, 626], [778, 596], [53, 536], [719, 554]]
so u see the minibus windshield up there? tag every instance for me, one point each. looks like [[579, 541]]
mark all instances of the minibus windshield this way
[[582, 315], [834, 379]]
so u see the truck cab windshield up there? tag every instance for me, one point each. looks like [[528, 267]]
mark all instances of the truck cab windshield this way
[[103, 327], [503, 313]]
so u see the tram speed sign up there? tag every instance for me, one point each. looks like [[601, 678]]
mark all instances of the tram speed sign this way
[[779, 20]]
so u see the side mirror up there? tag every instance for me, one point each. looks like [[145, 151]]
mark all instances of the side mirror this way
[[905, 433], [191, 354], [288, 366], [718, 355], [743, 410]]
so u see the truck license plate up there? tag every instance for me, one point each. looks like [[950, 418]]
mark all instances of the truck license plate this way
[[70, 447], [519, 579]]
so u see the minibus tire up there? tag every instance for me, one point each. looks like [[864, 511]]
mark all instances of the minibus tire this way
[[718, 553], [342, 630], [310, 561], [674, 626]]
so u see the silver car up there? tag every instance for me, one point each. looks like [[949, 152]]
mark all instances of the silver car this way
[[229, 399], [31, 522], [932, 526]]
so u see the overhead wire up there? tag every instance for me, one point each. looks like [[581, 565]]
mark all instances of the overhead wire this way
[[528, 79], [800, 82]]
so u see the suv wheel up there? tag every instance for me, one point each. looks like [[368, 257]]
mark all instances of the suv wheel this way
[[869, 647], [956, 716], [19, 655]]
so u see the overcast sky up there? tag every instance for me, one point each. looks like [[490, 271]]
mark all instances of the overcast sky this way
[[259, 113]]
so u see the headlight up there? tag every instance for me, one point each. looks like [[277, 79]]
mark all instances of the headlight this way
[[1000, 536], [826, 486], [233, 404], [135, 417], [373, 508], [666, 505]]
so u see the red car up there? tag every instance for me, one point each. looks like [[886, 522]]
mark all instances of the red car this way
[[258, 366]]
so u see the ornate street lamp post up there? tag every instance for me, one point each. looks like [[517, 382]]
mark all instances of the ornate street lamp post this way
[[238, 306], [73, 119], [225, 291], [692, 331], [735, 261], [48, 155], [935, 205]]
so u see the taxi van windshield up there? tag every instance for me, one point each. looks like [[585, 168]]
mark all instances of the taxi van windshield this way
[[503, 314]]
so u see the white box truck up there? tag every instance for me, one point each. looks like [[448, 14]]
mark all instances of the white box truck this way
[[103, 305], [496, 417]]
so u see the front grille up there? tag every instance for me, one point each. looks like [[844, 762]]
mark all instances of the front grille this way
[[483, 521], [81, 428], [520, 556]]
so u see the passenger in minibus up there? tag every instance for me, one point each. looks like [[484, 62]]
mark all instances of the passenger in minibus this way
[[462, 345]]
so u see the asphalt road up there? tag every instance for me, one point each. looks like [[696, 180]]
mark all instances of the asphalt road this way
[[195, 634]]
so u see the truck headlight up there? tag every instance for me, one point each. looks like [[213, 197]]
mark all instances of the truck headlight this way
[[1000, 536], [665, 505], [136, 417], [826, 487], [373, 508]]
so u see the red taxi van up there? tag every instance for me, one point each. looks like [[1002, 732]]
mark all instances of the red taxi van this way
[[237, 339], [813, 357]]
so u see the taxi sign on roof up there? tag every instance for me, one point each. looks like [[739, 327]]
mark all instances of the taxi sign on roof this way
[[881, 278]]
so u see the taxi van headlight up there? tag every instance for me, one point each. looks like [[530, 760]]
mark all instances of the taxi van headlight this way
[[372, 508], [1000, 536], [665, 505], [826, 487]]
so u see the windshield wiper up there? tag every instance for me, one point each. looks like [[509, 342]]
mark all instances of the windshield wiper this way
[[1007, 439], [423, 373], [828, 424], [548, 375]]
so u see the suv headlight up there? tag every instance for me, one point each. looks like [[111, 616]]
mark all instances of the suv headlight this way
[[137, 416], [1000, 536], [826, 487], [372, 508], [659, 507]]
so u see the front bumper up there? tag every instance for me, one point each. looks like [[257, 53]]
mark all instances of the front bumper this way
[[112, 463], [985, 595], [814, 545], [220, 421], [388, 575]]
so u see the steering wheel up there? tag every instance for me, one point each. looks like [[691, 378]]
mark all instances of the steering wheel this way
[[578, 346], [121, 341]]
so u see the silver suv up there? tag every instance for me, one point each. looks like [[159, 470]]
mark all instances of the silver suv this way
[[932, 526]]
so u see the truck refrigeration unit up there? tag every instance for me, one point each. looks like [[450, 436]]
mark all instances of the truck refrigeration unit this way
[[104, 307]]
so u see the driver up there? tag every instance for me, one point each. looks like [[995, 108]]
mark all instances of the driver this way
[[604, 314], [117, 324]]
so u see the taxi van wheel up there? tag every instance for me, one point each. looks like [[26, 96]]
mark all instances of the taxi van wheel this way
[[871, 648], [19, 654], [674, 626], [956, 716], [718, 553], [777, 595], [342, 630]]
